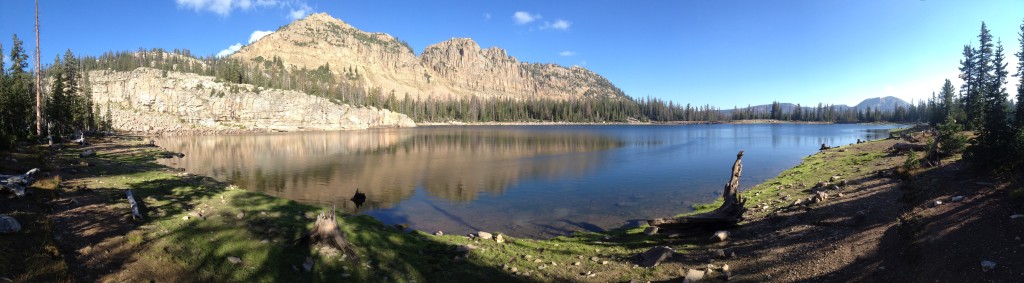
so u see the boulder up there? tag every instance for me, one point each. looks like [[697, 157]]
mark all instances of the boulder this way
[[234, 260], [654, 256], [693, 275], [9, 224], [987, 265], [720, 236], [484, 235]]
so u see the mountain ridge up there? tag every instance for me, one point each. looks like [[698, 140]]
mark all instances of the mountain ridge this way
[[457, 68]]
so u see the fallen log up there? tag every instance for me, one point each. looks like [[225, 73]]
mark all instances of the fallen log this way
[[19, 183], [134, 205], [725, 216], [325, 231], [904, 147]]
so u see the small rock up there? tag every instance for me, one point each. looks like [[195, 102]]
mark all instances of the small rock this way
[[500, 239], [987, 265], [439, 233], [593, 258], [308, 265], [651, 230], [725, 268], [834, 178], [234, 260], [720, 236], [604, 262], [956, 198], [718, 253], [576, 263], [9, 224], [936, 203], [840, 195], [514, 269], [656, 255], [240, 215], [693, 275], [798, 202], [820, 196], [484, 235], [184, 218], [732, 255], [554, 263], [527, 256], [346, 275], [538, 260]]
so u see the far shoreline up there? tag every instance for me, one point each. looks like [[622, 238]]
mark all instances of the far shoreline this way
[[670, 123]]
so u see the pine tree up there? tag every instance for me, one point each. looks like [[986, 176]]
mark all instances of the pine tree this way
[[994, 145], [17, 93], [1019, 112]]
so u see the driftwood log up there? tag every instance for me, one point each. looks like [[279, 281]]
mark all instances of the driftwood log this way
[[134, 205], [19, 183], [727, 215], [325, 231], [904, 147]]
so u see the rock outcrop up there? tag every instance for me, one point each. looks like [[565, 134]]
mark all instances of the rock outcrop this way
[[454, 69], [153, 101]]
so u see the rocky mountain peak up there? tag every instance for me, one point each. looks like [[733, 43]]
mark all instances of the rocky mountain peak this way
[[452, 69]]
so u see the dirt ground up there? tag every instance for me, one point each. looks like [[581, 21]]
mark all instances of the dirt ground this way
[[884, 229]]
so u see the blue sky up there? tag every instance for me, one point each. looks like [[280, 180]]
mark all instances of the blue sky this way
[[723, 53]]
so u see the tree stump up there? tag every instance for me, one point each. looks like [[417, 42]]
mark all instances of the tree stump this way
[[19, 183], [725, 216], [325, 231]]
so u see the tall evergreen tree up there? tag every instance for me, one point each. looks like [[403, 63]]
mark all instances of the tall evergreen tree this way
[[1019, 112], [17, 93], [994, 145], [949, 107]]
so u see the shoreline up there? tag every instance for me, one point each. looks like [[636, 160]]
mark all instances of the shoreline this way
[[194, 219]]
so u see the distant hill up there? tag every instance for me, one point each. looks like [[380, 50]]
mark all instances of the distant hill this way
[[885, 103]]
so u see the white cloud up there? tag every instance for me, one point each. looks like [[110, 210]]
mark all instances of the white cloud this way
[[297, 9], [300, 12], [567, 53], [487, 16], [256, 35], [522, 18], [230, 50], [224, 7], [559, 24]]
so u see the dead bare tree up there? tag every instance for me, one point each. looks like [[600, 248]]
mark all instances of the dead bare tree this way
[[39, 81], [727, 215]]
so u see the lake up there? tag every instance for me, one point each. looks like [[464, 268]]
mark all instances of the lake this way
[[525, 181]]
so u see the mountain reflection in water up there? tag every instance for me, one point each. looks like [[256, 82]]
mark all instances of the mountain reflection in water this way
[[387, 165], [532, 181]]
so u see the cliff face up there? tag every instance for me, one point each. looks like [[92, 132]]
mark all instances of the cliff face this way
[[453, 69], [153, 101]]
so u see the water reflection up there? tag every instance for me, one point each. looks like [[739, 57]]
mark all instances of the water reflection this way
[[387, 166], [525, 181]]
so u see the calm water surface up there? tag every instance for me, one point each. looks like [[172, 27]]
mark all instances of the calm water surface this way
[[536, 181]]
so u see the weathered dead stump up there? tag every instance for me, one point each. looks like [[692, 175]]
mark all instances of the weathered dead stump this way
[[725, 216], [325, 231], [134, 205], [19, 183]]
